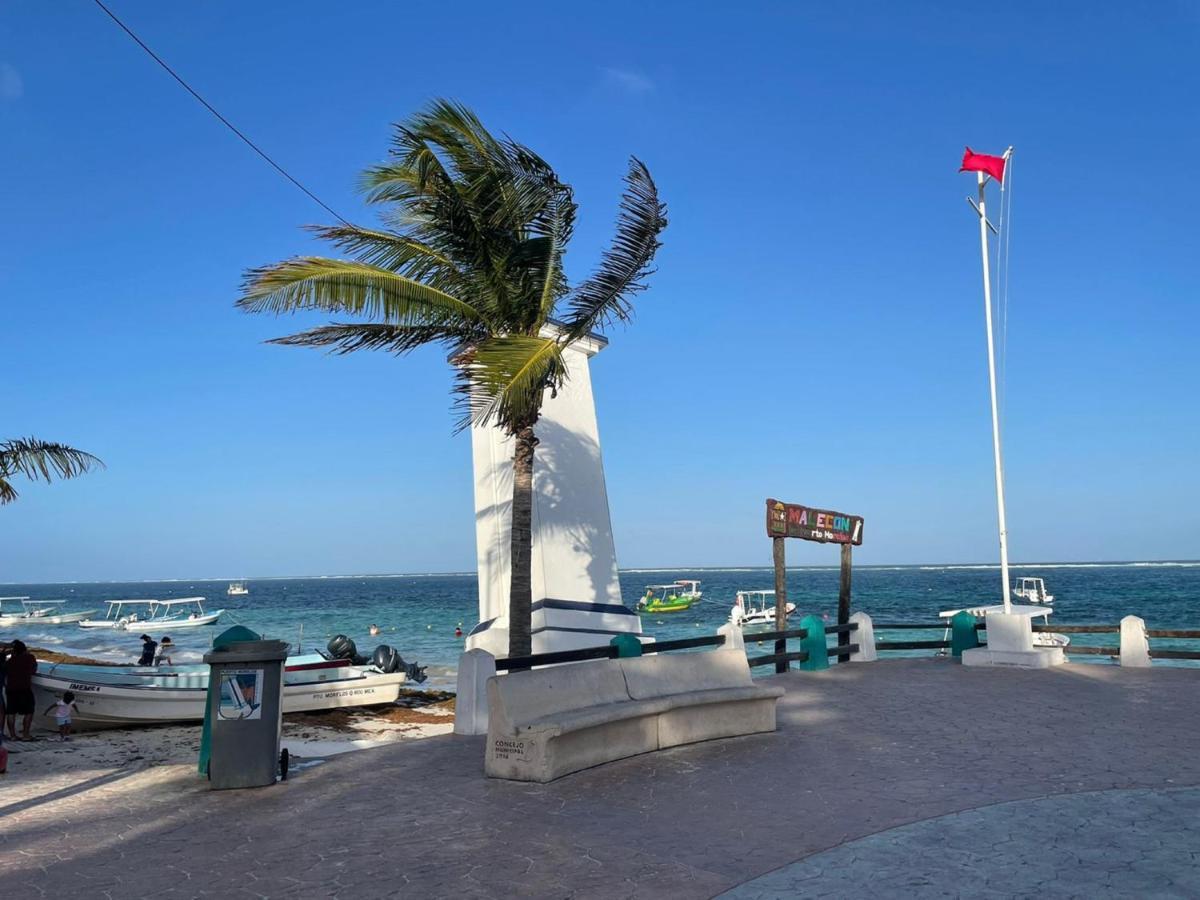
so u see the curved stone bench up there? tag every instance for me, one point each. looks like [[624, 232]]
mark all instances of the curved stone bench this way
[[547, 723]]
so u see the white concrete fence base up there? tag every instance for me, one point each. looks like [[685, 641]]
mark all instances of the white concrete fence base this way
[[1135, 647], [864, 636], [475, 667]]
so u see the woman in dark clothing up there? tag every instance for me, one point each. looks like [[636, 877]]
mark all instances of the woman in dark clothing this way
[[148, 649], [18, 690]]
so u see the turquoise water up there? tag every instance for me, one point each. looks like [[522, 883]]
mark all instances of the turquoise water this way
[[418, 614]]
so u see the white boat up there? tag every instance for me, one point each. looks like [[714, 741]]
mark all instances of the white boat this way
[[1033, 590], [1047, 639], [690, 589], [751, 608], [40, 612], [237, 589], [127, 695], [185, 612]]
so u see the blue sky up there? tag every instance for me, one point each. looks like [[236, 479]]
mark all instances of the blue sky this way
[[814, 331]]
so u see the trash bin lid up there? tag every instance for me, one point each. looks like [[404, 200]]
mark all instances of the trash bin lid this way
[[248, 652]]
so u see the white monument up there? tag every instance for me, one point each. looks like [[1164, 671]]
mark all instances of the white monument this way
[[576, 594]]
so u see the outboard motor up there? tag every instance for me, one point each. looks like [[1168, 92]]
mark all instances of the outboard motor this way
[[416, 674], [386, 659], [342, 647]]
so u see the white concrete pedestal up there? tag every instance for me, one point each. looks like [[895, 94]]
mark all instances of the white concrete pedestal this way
[[1010, 643]]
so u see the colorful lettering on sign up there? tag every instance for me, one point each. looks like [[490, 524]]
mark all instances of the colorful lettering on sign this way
[[794, 520]]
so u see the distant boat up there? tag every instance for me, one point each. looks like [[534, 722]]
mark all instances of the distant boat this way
[[125, 614], [237, 589], [690, 589], [751, 608], [39, 612], [1033, 590]]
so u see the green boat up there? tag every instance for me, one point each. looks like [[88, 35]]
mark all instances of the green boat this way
[[666, 598]]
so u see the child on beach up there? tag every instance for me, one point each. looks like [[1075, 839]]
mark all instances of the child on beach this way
[[62, 714], [164, 652]]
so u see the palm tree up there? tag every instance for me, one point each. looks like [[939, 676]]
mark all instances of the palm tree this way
[[470, 256], [40, 461]]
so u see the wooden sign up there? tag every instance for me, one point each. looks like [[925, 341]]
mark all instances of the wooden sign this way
[[806, 523]]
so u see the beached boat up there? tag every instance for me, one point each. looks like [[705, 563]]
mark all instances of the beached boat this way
[[1033, 590], [39, 612], [237, 589], [751, 608], [664, 598], [1044, 639], [185, 612], [128, 695]]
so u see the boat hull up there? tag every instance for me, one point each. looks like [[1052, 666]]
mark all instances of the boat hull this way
[[103, 703], [63, 619], [151, 623]]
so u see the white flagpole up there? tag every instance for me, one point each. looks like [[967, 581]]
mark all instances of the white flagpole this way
[[987, 306]]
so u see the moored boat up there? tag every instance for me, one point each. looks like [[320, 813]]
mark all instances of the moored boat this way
[[237, 589], [184, 612], [751, 608], [665, 598], [127, 695], [1042, 639], [1033, 590], [39, 612]]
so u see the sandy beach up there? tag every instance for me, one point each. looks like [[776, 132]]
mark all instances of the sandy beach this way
[[43, 768]]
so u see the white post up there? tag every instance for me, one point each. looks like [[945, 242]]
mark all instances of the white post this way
[[733, 637], [1135, 648], [987, 306], [475, 667], [864, 636]]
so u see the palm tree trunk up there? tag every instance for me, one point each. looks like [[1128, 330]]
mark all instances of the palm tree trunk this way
[[520, 594]]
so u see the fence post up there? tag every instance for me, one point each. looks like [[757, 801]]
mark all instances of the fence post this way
[[475, 667], [627, 645], [814, 643], [963, 635], [1135, 648], [864, 636], [733, 637]]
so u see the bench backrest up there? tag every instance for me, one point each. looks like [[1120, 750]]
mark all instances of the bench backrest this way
[[525, 696], [664, 674]]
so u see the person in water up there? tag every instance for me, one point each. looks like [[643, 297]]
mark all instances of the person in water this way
[[62, 714], [164, 653], [374, 630], [149, 647]]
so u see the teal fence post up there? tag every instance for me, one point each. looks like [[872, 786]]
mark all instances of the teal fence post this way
[[627, 645], [814, 643], [963, 635]]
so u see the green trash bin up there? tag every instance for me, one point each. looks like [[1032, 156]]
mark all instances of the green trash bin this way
[[245, 710]]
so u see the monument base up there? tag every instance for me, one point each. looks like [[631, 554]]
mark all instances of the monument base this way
[[1038, 658]]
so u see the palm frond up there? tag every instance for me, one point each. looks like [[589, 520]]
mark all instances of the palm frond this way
[[502, 379], [342, 337], [623, 268], [388, 250], [338, 285], [40, 461]]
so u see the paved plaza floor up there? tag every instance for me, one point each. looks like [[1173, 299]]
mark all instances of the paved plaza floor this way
[[897, 778]]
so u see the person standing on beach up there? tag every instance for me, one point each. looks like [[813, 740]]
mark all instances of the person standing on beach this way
[[18, 690], [62, 714], [3, 671], [148, 649]]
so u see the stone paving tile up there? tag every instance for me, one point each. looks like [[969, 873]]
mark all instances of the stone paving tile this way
[[861, 748], [1117, 843]]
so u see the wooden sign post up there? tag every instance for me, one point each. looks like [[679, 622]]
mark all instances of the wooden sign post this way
[[785, 520]]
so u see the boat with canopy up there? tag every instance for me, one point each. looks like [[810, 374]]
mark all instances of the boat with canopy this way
[[1033, 590], [665, 598], [39, 612], [756, 608], [184, 612]]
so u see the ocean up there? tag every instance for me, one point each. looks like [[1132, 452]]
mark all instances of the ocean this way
[[418, 614]]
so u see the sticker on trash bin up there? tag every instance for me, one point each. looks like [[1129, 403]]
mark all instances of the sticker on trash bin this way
[[241, 694]]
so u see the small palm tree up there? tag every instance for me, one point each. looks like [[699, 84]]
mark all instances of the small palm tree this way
[[40, 461], [471, 257]]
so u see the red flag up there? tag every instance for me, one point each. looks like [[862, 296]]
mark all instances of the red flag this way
[[981, 162]]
